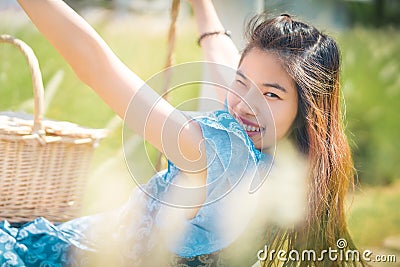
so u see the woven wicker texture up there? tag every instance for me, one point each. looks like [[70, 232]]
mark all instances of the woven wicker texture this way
[[43, 163]]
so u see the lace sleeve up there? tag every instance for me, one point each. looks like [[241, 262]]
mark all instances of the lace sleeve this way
[[232, 162]]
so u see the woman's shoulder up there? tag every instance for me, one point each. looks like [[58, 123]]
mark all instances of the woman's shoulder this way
[[221, 129], [217, 118]]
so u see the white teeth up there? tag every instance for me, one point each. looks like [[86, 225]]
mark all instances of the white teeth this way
[[249, 128]]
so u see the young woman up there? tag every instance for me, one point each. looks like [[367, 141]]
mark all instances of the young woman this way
[[286, 87]]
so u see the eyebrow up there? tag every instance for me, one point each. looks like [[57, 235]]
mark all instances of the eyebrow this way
[[274, 85]]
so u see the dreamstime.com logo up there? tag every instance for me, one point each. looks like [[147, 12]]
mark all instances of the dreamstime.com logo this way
[[339, 253]]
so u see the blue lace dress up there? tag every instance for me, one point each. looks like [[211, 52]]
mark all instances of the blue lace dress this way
[[146, 226]]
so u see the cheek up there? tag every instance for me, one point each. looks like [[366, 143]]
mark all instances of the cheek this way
[[284, 119], [232, 99]]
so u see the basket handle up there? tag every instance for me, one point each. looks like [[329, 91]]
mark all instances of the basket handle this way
[[38, 91]]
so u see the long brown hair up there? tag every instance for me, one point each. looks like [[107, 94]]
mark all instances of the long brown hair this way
[[312, 59]]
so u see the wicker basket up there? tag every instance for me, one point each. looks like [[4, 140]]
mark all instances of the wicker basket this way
[[43, 163]]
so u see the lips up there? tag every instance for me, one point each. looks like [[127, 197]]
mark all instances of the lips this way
[[250, 127]]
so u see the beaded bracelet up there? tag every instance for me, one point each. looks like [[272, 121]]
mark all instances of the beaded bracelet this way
[[206, 34]]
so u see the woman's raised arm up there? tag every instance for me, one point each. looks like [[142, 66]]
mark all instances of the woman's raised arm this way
[[96, 65], [217, 48], [83, 49]]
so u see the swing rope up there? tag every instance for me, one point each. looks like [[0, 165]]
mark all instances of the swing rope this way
[[172, 32], [170, 53]]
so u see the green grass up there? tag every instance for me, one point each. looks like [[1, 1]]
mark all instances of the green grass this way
[[374, 214], [371, 85]]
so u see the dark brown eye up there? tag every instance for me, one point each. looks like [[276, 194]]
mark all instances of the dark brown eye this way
[[240, 82], [272, 95]]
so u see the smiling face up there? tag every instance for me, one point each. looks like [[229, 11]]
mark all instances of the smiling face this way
[[264, 98]]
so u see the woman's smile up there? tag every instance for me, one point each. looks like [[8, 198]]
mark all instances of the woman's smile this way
[[250, 127], [264, 98]]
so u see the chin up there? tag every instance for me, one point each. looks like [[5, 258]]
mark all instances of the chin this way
[[265, 146]]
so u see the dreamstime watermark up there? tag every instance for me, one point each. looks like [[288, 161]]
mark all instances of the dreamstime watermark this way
[[339, 253]]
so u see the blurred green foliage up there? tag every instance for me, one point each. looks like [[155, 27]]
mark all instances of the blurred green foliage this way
[[371, 85], [78, 4], [371, 13], [374, 215], [375, 13]]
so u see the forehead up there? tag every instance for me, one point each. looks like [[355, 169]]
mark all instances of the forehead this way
[[265, 67]]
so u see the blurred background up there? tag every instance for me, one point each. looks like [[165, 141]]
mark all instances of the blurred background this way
[[368, 32]]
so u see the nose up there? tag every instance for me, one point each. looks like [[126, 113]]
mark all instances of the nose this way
[[245, 104]]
